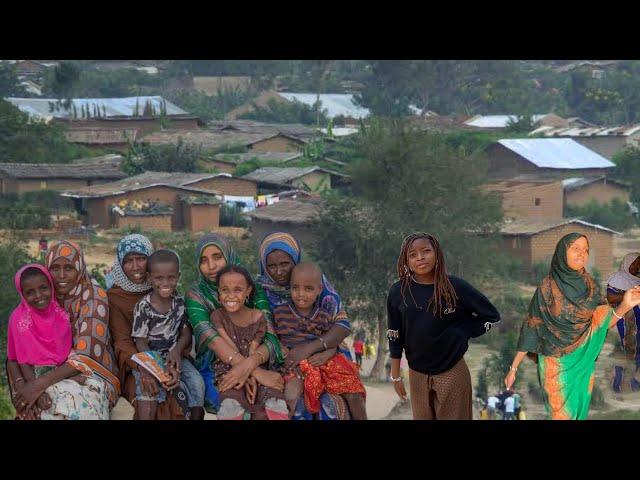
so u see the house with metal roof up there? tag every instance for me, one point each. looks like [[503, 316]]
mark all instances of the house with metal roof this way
[[229, 139], [335, 104], [19, 178], [307, 178], [544, 157], [228, 162], [579, 191], [142, 113], [606, 141]]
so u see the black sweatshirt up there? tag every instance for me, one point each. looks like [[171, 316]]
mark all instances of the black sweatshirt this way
[[435, 344]]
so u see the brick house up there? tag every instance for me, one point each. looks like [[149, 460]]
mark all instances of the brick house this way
[[271, 179], [534, 241], [580, 191], [294, 215], [605, 141], [19, 178], [528, 199], [143, 114], [544, 158], [228, 162], [116, 140], [170, 201], [229, 139]]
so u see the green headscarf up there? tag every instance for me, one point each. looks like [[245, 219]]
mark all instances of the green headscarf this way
[[203, 298], [561, 309]]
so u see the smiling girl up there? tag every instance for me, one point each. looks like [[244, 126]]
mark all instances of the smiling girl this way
[[245, 329], [432, 315]]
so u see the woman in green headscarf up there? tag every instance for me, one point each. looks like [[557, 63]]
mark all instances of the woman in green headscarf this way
[[566, 329], [213, 254]]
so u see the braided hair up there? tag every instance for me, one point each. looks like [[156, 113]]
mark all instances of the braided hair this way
[[443, 291]]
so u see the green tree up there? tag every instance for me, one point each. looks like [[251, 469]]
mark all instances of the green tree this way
[[9, 83], [407, 181], [498, 364], [25, 141], [627, 169], [142, 157]]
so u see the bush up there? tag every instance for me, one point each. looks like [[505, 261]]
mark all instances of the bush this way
[[286, 112], [614, 215], [208, 107], [161, 158], [231, 216]]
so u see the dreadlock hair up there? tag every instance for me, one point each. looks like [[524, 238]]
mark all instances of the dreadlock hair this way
[[443, 291]]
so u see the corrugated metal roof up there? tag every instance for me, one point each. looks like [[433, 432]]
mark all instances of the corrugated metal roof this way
[[498, 121], [280, 176], [532, 227], [238, 158], [621, 131], [578, 182], [556, 153], [336, 104], [113, 107]]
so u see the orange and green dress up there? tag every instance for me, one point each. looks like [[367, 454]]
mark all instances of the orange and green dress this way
[[566, 329]]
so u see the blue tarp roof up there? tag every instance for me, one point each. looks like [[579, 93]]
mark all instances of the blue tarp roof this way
[[561, 153]]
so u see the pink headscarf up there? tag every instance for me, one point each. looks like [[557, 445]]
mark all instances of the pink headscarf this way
[[38, 337]]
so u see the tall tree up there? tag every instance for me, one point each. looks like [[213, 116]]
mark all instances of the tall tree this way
[[9, 83], [408, 181]]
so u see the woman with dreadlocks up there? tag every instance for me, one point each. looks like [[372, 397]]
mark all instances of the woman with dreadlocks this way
[[431, 317]]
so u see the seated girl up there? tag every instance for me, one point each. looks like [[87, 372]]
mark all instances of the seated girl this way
[[245, 329], [39, 340]]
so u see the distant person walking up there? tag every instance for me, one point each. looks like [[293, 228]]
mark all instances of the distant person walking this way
[[492, 405], [517, 404], [43, 246], [358, 347], [509, 408]]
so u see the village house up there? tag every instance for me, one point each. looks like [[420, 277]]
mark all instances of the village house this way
[[605, 141], [19, 178], [272, 179], [580, 191], [154, 201], [116, 140], [534, 242], [214, 85], [335, 105], [529, 199], [143, 114], [229, 140], [500, 122], [228, 162], [543, 158], [295, 215]]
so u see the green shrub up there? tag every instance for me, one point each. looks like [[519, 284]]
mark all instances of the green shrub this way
[[614, 215], [231, 216]]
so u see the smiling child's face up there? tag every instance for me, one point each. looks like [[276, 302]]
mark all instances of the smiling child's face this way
[[36, 290], [233, 291], [164, 277]]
